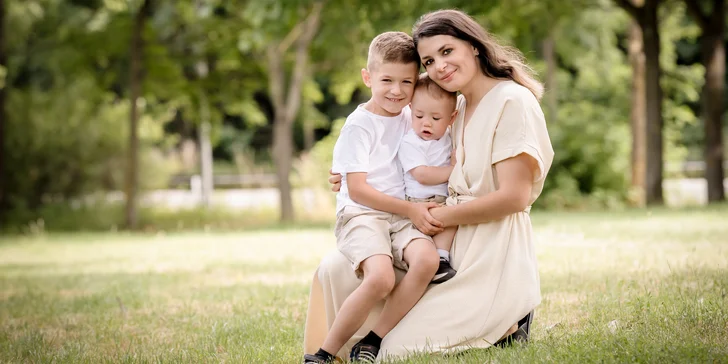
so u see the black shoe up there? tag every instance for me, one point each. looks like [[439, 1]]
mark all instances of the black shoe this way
[[521, 335], [444, 273], [364, 353], [313, 359]]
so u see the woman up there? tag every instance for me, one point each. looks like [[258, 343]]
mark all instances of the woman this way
[[503, 156]]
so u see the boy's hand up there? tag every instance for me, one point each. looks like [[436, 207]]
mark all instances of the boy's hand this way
[[453, 158], [335, 180], [419, 214]]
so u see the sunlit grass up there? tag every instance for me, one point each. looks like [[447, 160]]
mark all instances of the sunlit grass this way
[[617, 287]]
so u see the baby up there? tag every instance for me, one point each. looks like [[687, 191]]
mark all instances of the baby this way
[[425, 156]]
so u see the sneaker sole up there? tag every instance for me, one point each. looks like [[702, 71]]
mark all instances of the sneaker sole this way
[[442, 277]]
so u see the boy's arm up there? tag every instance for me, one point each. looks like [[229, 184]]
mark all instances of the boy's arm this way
[[361, 192], [431, 176]]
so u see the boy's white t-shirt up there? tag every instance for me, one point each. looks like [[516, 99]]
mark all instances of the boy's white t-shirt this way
[[369, 143], [415, 152]]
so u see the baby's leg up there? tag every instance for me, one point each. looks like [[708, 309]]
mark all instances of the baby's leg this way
[[443, 240]]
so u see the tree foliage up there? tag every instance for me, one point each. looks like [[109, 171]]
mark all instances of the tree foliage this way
[[65, 82]]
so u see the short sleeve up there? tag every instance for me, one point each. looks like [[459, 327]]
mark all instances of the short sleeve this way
[[410, 156], [352, 150], [522, 129]]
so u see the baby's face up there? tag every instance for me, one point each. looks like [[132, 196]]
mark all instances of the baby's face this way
[[431, 116]]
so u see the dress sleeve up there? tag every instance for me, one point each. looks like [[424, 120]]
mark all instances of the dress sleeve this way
[[522, 129]]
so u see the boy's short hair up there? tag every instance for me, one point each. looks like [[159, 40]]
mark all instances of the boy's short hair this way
[[392, 47], [424, 82]]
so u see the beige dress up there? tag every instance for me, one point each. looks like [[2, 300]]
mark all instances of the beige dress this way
[[497, 281]]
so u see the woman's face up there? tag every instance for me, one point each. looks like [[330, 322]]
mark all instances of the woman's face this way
[[449, 61]]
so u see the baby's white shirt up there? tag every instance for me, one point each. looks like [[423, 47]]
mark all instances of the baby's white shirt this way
[[415, 152]]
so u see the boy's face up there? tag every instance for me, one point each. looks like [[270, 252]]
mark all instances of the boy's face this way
[[431, 116], [392, 86]]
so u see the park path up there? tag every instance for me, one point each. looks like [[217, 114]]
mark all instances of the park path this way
[[678, 192]]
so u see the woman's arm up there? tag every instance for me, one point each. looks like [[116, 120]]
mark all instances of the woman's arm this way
[[515, 180]]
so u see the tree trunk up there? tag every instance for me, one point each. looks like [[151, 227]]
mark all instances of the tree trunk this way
[[549, 54], [714, 60], [3, 87], [283, 155], [135, 82], [205, 152], [308, 134], [645, 13], [653, 94], [638, 112], [286, 102]]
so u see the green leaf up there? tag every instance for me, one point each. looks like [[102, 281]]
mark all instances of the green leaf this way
[[249, 111]]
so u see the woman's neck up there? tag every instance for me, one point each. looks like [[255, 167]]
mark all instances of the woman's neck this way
[[478, 87]]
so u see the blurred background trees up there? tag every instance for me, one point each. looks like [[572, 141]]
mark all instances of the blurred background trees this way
[[101, 96]]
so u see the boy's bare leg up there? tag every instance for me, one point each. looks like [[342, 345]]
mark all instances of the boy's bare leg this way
[[444, 239], [422, 259], [377, 284]]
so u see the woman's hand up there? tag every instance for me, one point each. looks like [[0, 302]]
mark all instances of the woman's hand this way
[[419, 214], [335, 180]]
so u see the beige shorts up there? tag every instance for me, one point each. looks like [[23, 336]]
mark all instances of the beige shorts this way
[[440, 200], [362, 233]]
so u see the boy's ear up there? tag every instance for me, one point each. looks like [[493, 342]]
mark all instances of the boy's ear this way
[[366, 77], [453, 116]]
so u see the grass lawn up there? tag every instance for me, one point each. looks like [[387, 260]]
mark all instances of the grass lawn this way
[[631, 286]]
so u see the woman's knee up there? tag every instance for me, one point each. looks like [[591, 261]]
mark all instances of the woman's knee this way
[[335, 266]]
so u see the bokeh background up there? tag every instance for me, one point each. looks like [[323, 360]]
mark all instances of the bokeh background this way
[[164, 115]]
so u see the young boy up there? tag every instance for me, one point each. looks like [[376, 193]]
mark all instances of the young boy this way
[[371, 230], [425, 155]]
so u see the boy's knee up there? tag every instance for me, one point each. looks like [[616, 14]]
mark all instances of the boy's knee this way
[[380, 284], [425, 260]]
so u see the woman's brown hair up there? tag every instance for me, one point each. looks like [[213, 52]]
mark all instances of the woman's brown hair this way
[[496, 60]]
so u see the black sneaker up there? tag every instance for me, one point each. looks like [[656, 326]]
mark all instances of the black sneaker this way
[[521, 335], [313, 359], [444, 273], [364, 353]]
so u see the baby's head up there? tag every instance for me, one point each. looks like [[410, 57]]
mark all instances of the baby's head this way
[[391, 73], [433, 109]]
